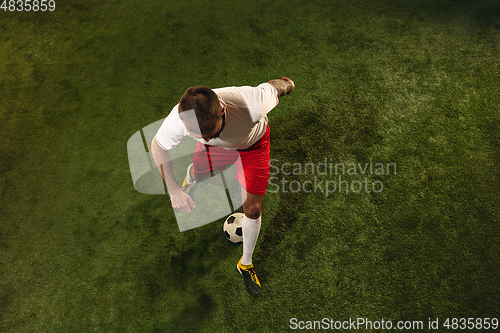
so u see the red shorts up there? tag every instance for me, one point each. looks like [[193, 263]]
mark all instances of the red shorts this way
[[253, 164]]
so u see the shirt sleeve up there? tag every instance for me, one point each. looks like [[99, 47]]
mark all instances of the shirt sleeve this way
[[258, 100], [267, 95], [171, 131]]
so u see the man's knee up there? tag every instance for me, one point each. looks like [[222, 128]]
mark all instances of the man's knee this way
[[200, 176], [252, 211]]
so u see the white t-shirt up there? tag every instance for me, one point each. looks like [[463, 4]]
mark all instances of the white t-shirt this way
[[246, 118]]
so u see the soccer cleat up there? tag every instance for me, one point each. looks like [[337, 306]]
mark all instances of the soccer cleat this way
[[252, 283], [188, 188]]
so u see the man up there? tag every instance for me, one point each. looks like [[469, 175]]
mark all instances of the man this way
[[231, 127]]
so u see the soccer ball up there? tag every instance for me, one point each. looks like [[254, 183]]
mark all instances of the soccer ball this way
[[232, 228]]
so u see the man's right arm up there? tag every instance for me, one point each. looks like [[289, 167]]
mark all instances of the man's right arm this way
[[180, 200], [164, 165]]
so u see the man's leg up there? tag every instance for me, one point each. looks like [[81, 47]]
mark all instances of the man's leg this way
[[191, 172], [252, 207], [253, 175], [205, 160]]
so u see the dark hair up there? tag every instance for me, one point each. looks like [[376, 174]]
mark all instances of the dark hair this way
[[205, 103]]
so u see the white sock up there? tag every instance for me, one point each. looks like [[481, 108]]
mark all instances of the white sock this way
[[250, 230], [190, 180]]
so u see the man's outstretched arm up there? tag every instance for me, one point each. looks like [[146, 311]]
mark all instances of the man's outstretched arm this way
[[180, 200], [284, 86]]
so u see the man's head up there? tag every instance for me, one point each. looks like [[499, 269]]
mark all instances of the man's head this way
[[201, 112]]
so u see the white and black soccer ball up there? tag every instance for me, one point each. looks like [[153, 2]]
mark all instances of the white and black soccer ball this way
[[232, 228]]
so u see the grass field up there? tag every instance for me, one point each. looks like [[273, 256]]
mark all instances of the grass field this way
[[409, 83]]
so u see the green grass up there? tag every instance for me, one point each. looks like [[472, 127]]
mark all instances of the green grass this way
[[408, 82]]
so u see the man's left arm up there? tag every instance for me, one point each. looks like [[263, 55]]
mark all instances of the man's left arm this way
[[284, 86]]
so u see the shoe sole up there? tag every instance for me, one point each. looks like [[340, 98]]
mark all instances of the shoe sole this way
[[191, 195]]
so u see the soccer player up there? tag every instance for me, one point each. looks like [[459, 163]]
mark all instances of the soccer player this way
[[230, 126]]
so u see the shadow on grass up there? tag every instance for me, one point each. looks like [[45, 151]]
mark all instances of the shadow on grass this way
[[174, 258], [310, 136]]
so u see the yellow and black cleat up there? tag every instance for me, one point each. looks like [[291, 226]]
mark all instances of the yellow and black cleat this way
[[188, 188], [252, 283]]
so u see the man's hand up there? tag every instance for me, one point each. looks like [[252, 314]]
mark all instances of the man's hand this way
[[181, 201], [284, 86]]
